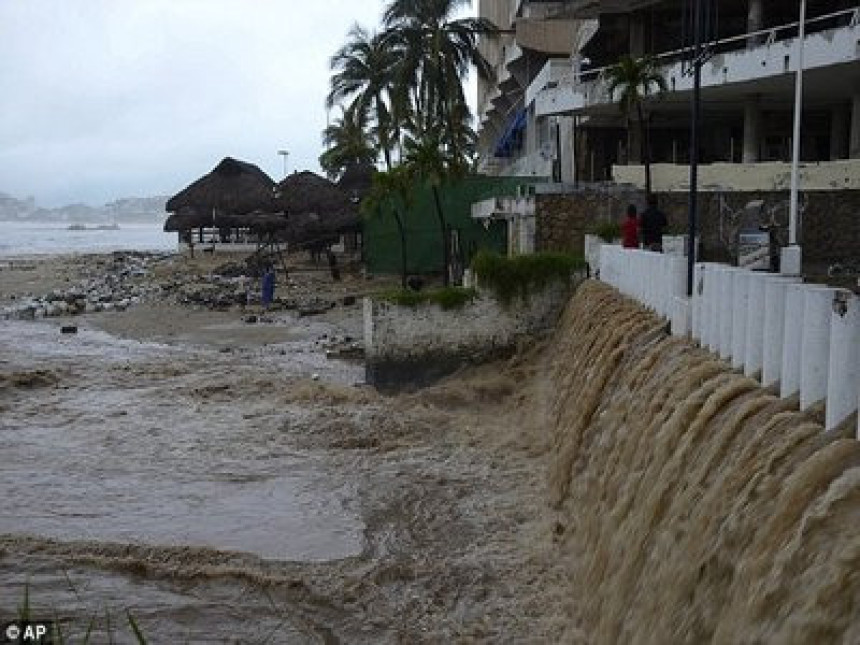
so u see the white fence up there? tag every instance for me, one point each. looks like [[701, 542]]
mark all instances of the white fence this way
[[803, 337]]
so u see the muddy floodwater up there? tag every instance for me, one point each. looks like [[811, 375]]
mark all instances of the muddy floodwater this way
[[140, 442], [223, 482], [226, 482]]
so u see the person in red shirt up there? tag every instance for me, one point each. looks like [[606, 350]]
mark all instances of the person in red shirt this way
[[630, 229]]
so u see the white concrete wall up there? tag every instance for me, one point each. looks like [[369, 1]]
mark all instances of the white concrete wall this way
[[394, 332], [656, 280], [804, 337], [771, 175]]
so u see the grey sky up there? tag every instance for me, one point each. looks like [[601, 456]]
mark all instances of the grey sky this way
[[111, 98]]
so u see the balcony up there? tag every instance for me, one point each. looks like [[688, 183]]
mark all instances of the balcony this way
[[735, 69], [555, 73]]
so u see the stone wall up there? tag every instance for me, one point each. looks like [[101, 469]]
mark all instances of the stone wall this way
[[416, 345], [562, 220], [830, 230]]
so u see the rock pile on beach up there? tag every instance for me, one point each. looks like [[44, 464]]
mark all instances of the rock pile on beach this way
[[108, 284], [123, 279]]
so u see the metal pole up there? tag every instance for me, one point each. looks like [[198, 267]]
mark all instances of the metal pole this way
[[284, 154], [795, 143], [692, 223]]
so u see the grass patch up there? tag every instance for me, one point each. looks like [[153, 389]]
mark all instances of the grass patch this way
[[522, 274], [446, 297], [608, 231]]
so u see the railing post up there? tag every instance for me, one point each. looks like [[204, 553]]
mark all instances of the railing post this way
[[791, 342], [740, 291], [726, 303], [843, 379], [696, 318], [713, 310], [754, 345], [775, 291], [815, 345]]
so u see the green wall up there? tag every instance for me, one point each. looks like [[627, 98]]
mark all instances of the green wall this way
[[423, 239]]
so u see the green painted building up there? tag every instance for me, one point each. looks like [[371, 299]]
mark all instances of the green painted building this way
[[423, 236]]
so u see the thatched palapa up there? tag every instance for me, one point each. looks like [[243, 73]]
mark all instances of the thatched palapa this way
[[223, 197], [315, 208], [187, 218]]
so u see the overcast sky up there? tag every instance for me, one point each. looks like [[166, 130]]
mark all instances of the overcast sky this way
[[102, 99]]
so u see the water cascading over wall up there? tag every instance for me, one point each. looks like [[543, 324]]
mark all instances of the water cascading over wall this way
[[696, 506]]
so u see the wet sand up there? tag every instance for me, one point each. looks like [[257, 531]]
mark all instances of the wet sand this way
[[226, 482]]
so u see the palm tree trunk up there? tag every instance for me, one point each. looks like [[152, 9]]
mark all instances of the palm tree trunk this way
[[443, 228], [402, 233], [383, 134], [645, 152]]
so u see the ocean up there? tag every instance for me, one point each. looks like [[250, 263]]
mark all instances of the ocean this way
[[50, 238]]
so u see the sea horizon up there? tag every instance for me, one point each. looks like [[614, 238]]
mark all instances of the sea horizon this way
[[43, 238]]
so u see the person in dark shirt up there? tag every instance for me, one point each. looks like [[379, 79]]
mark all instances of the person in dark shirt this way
[[653, 223], [630, 229]]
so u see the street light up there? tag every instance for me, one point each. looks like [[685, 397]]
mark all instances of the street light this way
[[790, 260], [284, 154]]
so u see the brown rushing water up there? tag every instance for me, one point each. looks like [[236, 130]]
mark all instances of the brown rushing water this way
[[612, 485], [230, 497], [701, 508]]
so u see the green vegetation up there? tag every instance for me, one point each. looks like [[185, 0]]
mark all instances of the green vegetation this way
[[635, 79], [522, 274], [607, 231], [401, 92], [446, 297]]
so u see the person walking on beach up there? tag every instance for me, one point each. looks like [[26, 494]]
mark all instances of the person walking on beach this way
[[268, 287], [653, 222], [630, 229]]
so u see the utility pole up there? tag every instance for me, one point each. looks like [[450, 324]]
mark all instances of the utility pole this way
[[692, 216], [791, 260], [284, 154]]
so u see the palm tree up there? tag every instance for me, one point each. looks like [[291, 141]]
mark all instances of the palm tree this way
[[636, 78], [347, 143], [393, 187], [430, 162], [365, 74], [437, 52]]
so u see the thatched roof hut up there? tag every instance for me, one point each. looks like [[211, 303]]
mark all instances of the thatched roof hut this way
[[315, 207], [233, 188], [187, 218]]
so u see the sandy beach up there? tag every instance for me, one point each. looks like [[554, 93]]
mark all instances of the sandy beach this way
[[212, 469]]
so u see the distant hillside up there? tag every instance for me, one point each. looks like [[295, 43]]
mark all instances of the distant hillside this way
[[128, 209]]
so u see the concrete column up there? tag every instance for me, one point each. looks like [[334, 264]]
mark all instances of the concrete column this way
[[678, 276], [680, 316], [754, 336], [740, 295], [815, 345], [754, 21], [699, 270], [838, 133], [717, 312], [709, 306], [774, 329], [568, 148], [843, 378], [726, 304], [854, 139], [752, 131], [791, 341]]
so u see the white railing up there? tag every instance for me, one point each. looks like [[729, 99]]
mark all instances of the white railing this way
[[656, 280], [805, 338]]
